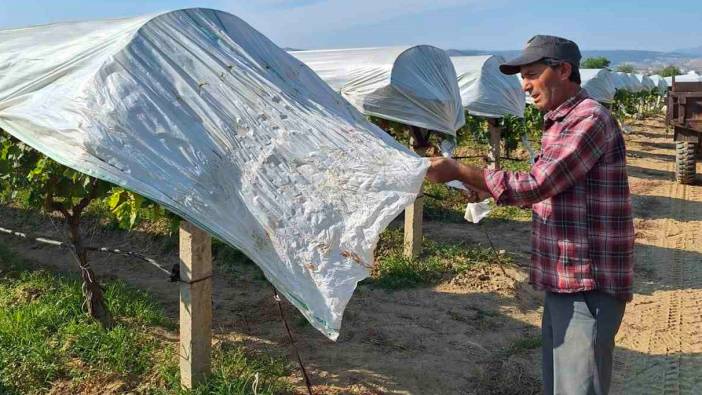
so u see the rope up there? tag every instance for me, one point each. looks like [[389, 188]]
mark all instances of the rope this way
[[65, 244], [292, 342], [497, 254], [174, 275]]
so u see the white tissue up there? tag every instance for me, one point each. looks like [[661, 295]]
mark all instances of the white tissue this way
[[477, 211]]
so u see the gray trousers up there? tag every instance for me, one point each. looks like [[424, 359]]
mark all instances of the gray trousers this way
[[578, 332]]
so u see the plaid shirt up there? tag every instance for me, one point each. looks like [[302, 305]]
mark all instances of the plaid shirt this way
[[582, 229]]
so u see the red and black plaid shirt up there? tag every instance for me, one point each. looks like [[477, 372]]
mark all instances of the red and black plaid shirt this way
[[582, 230]]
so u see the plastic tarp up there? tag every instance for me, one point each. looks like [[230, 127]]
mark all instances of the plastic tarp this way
[[485, 91], [632, 84], [645, 81], [660, 83], [619, 80], [203, 114], [413, 85], [598, 84], [627, 81], [691, 76]]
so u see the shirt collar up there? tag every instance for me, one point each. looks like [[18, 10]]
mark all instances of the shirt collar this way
[[566, 107]]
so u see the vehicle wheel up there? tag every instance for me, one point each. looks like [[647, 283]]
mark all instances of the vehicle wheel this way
[[685, 162]]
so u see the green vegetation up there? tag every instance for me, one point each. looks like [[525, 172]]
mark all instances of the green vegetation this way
[[599, 62], [475, 132], [446, 204], [234, 371], [233, 261], [524, 344], [41, 184], [626, 68], [438, 261], [668, 71], [442, 203], [637, 104], [38, 183], [509, 213], [45, 339]]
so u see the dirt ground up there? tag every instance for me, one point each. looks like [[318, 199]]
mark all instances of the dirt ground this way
[[474, 334], [660, 341]]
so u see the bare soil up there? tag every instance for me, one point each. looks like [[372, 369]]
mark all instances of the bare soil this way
[[470, 334], [660, 341]]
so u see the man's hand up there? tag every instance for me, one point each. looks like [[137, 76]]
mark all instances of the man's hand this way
[[442, 170], [473, 196]]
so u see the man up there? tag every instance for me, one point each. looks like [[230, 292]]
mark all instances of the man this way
[[582, 227]]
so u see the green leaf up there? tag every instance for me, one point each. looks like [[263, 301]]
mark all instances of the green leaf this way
[[25, 174], [115, 198], [133, 218]]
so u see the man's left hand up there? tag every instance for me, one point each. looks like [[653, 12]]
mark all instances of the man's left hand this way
[[473, 196]]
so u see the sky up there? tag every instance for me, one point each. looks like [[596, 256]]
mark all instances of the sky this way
[[459, 24]]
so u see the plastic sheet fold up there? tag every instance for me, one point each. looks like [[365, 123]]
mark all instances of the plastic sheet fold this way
[[201, 113], [660, 83], [485, 91], [413, 85], [645, 81], [691, 76], [598, 84]]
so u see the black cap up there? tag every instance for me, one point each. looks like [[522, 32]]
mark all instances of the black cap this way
[[540, 47]]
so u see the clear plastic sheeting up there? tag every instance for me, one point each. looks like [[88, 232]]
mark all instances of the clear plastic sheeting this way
[[485, 91], [412, 85], [203, 114], [598, 84], [619, 80], [626, 81], [691, 76], [634, 85], [645, 81], [660, 83]]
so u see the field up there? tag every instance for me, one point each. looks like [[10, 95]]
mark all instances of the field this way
[[457, 320]]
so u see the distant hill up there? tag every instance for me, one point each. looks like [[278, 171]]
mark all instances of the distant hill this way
[[467, 52], [696, 51], [642, 60]]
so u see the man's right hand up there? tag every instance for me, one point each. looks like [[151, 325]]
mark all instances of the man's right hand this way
[[442, 170]]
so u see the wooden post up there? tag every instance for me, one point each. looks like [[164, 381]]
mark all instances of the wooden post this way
[[495, 137], [195, 304], [413, 228]]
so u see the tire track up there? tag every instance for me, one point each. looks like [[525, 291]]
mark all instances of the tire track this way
[[660, 343]]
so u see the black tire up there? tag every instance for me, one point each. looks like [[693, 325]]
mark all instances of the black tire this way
[[685, 162]]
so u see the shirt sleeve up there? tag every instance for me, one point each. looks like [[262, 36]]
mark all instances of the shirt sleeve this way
[[564, 161]]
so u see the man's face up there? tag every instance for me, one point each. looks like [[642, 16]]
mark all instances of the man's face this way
[[545, 84]]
